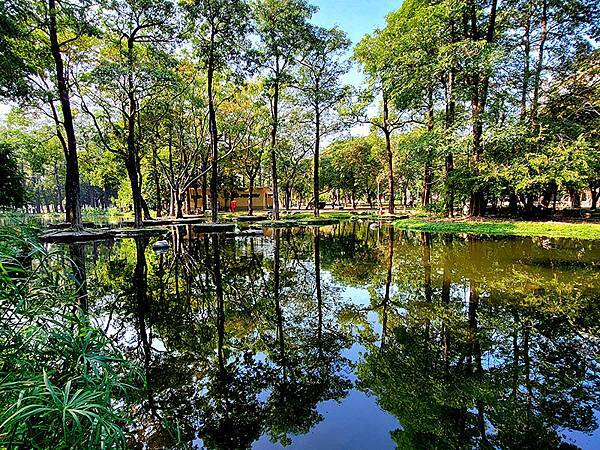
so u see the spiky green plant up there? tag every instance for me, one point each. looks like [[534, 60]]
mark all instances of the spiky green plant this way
[[62, 384]]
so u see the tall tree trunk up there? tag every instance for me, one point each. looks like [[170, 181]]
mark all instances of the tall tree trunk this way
[[204, 186], [274, 125], [38, 200], [449, 162], [59, 206], [389, 155], [539, 66], [428, 170], [135, 191], [526, 64], [479, 86], [316, 160], [132, 162], [179, 204], [72, 189], [251, 195], [212, 117], [156, 181]]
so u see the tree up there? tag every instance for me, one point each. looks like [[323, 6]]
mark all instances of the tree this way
[[131, 73], [219, 34], [319, 85], [368, 52], [11, 179], [60, 27], [570, 119], [282, 26], [181, 160]]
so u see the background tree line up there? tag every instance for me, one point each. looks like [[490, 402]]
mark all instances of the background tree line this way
[[472, 106]]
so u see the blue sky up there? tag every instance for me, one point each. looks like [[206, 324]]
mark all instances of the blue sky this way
[[355, 17]]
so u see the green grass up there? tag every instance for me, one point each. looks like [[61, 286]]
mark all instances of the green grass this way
[[505, 228]]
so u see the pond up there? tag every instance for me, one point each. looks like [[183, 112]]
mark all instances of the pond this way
[[353, 336]]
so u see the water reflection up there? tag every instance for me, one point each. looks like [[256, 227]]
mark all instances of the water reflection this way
[[467, 342]]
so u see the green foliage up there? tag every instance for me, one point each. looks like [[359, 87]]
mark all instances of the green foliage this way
[[62, 384], [14, 67], [12, 184]]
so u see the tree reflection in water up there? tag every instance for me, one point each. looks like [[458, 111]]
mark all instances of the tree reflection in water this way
[[480, 365], [474, 343]]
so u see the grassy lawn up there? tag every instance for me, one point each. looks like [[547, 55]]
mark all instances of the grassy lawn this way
[[507, 228]]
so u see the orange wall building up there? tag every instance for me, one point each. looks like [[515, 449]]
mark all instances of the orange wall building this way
[[262, 198]]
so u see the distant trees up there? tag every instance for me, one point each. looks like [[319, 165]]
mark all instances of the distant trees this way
[[351, 170], [472, 106]]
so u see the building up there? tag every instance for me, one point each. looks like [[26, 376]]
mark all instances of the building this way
[[262, 198]]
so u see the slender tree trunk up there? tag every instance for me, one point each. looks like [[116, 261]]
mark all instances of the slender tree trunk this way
[[156, 181], [449, 162], [389, 155], [428, 171], [526, 63], [38, 201], [479, 87], [288, 196], [59, 206], [274, 125], [204, 183], [316, 161], [72, 189], [212, 117], [132, 163], [251, 195], [179, 204], [539, 65], [135, 191]]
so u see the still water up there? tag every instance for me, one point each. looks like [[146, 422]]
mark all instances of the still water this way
[[354, 336]]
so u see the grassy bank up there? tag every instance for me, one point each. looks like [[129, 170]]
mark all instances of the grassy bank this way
[[507, 228]]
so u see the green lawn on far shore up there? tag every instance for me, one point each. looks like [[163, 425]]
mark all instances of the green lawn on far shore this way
[[505, 228]]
